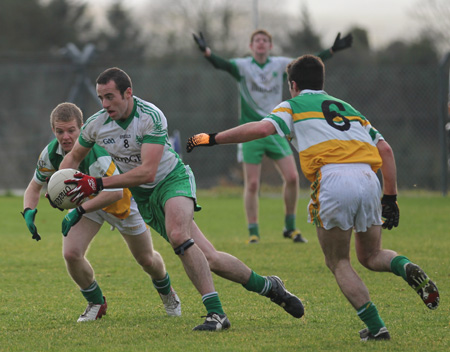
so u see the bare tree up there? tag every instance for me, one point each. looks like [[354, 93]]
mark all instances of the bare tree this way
[[434, 15]]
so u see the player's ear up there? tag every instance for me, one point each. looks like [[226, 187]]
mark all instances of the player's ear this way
[[128, 92]]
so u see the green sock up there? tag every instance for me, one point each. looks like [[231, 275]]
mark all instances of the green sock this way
[[93, 293], [253, 229], [289, 222], [258, 284], [368, 313], [212, 303], [162, 286], [398, 266]]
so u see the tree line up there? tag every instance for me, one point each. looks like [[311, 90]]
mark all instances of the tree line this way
[[36, 26]]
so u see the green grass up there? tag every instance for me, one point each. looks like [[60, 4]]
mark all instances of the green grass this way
[[40, 304]]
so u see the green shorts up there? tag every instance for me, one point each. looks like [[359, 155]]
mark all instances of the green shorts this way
[[151, 201], [274, 146]]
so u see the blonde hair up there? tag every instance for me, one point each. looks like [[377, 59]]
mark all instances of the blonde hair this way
[[66, 112]]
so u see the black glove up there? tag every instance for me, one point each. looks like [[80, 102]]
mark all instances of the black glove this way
[[341, 44], [201, 42], [29, 216], [201, 140], [51, 203], [390, 212]]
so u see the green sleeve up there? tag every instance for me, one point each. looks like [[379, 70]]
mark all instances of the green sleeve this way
[[325, 54], [222, 64]]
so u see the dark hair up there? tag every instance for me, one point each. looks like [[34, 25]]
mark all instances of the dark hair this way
[[308, 71], [120, 78], [66, 112]]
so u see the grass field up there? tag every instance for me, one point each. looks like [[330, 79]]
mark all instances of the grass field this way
[[40, 303]]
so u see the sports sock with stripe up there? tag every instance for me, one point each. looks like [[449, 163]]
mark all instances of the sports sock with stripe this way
[[93, 293], [212, 303], [162, 286], [368, 313]]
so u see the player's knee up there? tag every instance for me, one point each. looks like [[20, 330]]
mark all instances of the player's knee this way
[[72, 255], [145, 260], [213, 259], [292, 179], [252, 186], [179, 250]]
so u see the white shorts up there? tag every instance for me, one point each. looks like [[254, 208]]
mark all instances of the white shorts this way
[[345, 196], [132, 225]]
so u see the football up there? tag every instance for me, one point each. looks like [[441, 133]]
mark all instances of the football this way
[[57, 189]]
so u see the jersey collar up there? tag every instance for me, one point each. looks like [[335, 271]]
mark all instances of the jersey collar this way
[[124, 124], [261, 65], [310, 91]]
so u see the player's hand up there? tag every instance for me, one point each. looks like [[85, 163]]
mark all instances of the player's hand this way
[[201, 42], [71, 219], [390, 212], [29, 216], [342, 43], [85, 186], [51, 203], [201, 140]]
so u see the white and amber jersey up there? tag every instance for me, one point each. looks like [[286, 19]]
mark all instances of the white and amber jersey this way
[[326, 130], [123, 139], [98, 163]]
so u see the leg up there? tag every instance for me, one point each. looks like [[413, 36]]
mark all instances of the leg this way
[[231, 268], [75, 245], [179, 212], [252, 174], [288, 171], [141, 246], [335, 245], [221, 263], [369, 252], [372, 256]]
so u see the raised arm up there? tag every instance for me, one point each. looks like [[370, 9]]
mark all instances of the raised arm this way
[[217, 61], [338, 45]]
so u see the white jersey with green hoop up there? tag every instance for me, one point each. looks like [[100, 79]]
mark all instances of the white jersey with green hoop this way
[[261, 86], [123, 139]]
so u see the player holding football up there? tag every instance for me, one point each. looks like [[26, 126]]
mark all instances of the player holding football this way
[[260, 78], [340, 153], [80, 225], [135, 134]]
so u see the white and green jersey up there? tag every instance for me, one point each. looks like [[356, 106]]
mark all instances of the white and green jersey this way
[[260, 85], [123, 139]]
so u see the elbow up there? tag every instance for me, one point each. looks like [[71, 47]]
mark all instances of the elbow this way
[[385, 149], [148, 178], [118, 195], [267, 129]]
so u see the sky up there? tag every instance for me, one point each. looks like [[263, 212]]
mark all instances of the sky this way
[[385, 20]]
